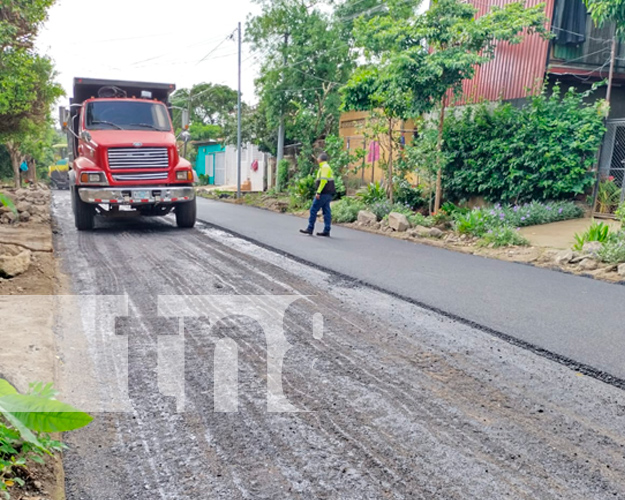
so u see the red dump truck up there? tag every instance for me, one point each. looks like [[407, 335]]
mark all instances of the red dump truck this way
[[123, 156]]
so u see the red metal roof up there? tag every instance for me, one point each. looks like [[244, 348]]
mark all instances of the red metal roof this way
[[515, 68]]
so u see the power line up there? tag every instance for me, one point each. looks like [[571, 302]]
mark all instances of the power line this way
[[589, 74], [582, 34], [175, 51], [586, 55], [229, 37], [317, 78]]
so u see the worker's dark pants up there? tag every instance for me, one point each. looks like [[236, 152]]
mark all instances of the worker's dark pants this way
[[323, 204]]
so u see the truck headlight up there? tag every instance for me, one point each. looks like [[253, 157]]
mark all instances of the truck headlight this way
[[184, 175], [93, 178]]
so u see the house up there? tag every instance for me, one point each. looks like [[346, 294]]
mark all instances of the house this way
[[578, 55], [209, 159], [219, 164]]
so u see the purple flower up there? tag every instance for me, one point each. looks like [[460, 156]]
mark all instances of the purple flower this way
[[492, 212], [560, 211], [490, 231], [515, 208], [522, 218], [548, 208]]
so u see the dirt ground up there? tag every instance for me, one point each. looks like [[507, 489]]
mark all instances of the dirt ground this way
[[28, 347], [560, 235]]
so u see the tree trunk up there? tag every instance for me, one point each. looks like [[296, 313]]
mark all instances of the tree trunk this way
[[439, 147], [16, 161], [390, 160], [33, 171], [364, 164]]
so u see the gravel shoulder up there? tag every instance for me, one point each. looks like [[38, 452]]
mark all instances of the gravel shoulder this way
[[395, 401], [27, 313]]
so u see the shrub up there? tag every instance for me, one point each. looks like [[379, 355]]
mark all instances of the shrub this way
[[346, 210], [417, 219], [620, 213], [543, 151], [613, 249], [302, 192], [598, 231], [372, 193], [477, 222], [535, 213], [7, 202], [339, 186], [407, 194], [450, 209], [502, 237], [400, 208], [380, 208], [283, 174], [497, 224]]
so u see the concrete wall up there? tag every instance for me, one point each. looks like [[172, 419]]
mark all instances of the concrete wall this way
[[249, 153]]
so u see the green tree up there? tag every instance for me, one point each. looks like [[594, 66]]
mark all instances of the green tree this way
[[27, 89], [606, 11], [209, 103], [304, 61], [416, 60]]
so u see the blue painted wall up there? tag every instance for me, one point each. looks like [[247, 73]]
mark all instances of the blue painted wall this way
[[203, 152]]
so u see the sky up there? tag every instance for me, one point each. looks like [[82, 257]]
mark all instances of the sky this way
[[150, 41]]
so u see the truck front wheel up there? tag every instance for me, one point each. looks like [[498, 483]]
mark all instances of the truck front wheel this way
[[186, 214], [84, 213]]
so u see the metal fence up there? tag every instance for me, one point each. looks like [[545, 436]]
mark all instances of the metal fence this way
[[611, 188]]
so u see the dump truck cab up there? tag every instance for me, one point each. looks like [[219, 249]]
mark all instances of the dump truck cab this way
[[123, 156]]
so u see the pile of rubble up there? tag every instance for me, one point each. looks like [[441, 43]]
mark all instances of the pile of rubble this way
[[18, 230], [14, 261], [397, 223], [32, 204]]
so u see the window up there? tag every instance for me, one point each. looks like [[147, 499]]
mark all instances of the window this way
[[127, 115]]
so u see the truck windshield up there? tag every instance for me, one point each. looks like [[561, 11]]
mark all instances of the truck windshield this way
[[125, 115]]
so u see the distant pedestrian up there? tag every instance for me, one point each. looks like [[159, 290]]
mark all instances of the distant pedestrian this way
[[325, 190]]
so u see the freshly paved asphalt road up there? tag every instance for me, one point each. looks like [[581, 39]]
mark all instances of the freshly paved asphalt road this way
[[574, 317]]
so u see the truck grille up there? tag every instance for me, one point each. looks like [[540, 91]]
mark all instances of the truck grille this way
[[156, 176], [138, 158]]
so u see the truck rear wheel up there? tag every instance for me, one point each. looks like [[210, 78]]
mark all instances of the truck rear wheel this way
[[84, 213], [186, 214]]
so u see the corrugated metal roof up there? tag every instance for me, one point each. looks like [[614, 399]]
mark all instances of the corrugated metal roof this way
[[515, 68]]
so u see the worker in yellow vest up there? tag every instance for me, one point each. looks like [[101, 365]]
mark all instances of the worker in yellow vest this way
[[325, 190]]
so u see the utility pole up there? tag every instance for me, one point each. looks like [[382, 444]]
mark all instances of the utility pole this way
[[239, 122], [281, 127], [185, 129], [189, 115]]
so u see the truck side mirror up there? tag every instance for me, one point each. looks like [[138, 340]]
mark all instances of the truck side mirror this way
[[63, 117]]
